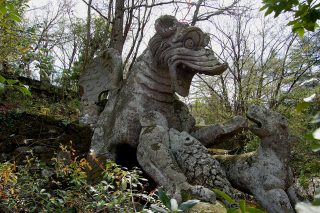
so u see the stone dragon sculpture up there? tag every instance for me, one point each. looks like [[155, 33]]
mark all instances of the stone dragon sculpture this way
[[144, 120]]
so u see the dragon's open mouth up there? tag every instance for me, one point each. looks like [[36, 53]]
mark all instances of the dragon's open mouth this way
[[182, 77], [184, 65]]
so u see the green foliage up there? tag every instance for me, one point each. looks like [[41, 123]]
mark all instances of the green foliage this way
[[9, 12], [20, 43], [316, 200], [99, 41], [171, 205], [209, 110], [61, 186], [62, 109], [313, 137], [224, 196], [303, 121], [11, 46], [15, 85], [241, 206], [253, 142], [306, 13], [12, 40]]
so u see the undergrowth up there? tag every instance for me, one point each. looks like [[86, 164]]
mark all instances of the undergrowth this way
[[62, 186], [60, 109]]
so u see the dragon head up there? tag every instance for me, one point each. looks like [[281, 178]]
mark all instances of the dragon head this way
[[180, 48]]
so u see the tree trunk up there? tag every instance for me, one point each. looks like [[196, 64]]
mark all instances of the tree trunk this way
[[117, 38], [88, 38]]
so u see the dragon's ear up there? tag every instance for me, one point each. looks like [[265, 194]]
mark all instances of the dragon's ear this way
[[206, 39], [166, 25]]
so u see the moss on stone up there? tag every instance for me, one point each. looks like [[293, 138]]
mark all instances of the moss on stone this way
[[148, 129], [186, 195], [228, 160], [155, 146], [203, 207]]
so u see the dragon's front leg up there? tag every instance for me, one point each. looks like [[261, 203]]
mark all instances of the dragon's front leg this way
[[156, 159], [218, 133]]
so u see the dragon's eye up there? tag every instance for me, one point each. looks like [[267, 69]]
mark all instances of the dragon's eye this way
[[189, 43]]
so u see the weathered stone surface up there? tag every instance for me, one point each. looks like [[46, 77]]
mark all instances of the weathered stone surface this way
[[196, 163], [202, 207], [265, 173], [103, 76], [175, 54], [214, 134], [155, 155]]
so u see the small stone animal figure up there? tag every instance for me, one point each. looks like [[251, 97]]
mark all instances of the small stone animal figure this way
[[265, 173]]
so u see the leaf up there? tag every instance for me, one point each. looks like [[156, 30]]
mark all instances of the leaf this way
[[23, 90], [309, 137], [264, 7], [2, 79], [316, 134], [188, 204], [310, 98], [223, 195], [242, 205], [11, 82], [269, 10], [300, 31], [159, 209], [123, 184], [173, 204], [316, 202], [233, 210], [277, 13], [72, 210], [293, 22], [164, 198], [315, 147], [254, 210], [302, 106], [14, 17], [143, 179], [310, 26], [3, 10], [316, 118]]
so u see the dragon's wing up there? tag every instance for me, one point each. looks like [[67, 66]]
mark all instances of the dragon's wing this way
[[102, 75]]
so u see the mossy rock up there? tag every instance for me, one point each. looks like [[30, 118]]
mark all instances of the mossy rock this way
[[22, 132], [203, 207]]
